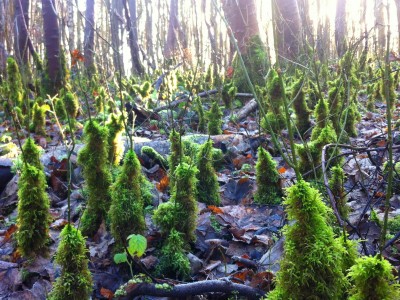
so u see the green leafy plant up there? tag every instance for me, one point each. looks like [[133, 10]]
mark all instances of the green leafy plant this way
[[267, 178], [126, 211], [153, 154], [93, 158], [137, 245], [373, 279], [207, 184], [75, 281], [33, 205], [311, 267]]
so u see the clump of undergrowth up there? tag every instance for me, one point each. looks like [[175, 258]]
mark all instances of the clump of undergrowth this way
[[126, 211], [154, 155], [209, 77], [101, 99], [303, 123], [335, 102], [201, 126], [371, 100], [175, 156], [207, 185], [71, 105], [33, 204], [350, 117], [94, 161], [115, 126], [39, 118], [14, 83], [311, 267], [75, 281], [173, 261], [143, 91], [321, 114], [336, 184], [180, 212], [373, 279], [267, 178], [388, 89], [215, 119], [228, 94]]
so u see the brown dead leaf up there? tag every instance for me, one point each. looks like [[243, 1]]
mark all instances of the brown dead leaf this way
[[241, 277], [215, 209], [262, 280], [381, 143], [282, 170], [239, 264], [106, 293], [9, 233], [163, 184]]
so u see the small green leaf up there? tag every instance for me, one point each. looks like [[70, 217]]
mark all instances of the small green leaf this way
[[120, 258], [137, 245]]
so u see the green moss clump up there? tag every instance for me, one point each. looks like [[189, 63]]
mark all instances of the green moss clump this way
[[175, 155], [201, 127], [215, 119], [126, 211], [60, 109], [336, 184], [14, 83], [372, 277], [173, 261], [33, 205], [180, 212], [71, 105], [93, 158], [311, 267], [228, 94], [321, 114], [335, 105], [388, 90], [303, 123], [101, 99], [75, 281], [267, 178], [154, 155], [39, 118], [207, 185], [115, 126], [350, 118]]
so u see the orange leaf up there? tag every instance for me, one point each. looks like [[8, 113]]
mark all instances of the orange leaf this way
[[9, 233], [243, 180], [163, 184], [282, 170], [15, 256], [215, 209], [229, 72], [249, 155], [381, 143], [241, 276], [239, 264], [379, 194], [106, 293], [262, 280]]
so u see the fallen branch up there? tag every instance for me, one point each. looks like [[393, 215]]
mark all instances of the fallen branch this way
[[247, 109], [192, 289]]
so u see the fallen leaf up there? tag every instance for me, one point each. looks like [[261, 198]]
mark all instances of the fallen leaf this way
[[215, 209], [381, 143], [242, 276], [241, 264], [163, 184], [106, 293], [262, 280], [282, 170], [9, 233]]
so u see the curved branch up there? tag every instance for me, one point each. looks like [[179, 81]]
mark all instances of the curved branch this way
[[193, 288]]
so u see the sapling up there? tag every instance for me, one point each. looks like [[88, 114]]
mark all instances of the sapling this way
[[321, 114], [373, 279], [201, 127], [336, 184], [115, 126], [311, 266], [75, 281], [335, 104], [215, 119], [33, 204], [303, 123], [39, 118], [93, 159], [71, 105], [207, 184], [126, 211], [267, 178]]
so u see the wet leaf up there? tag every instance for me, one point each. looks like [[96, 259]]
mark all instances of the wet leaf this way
[[120, 258], [137, 245], [215, 209], [106, 293]]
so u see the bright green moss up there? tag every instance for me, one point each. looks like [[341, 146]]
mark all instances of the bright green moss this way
[[71, 105], [93, 158], [175, 155], [388, 90], [75, 282], [350, 118], [215, 119], [201, 127], [173, 261], [311, 267], [31, 154], [207, 185], [336, 184], [303, 123], [16, 92], [60, 109], [39, 118], [335, 105], [115, 126], [321, 114], [267, 178], [154, 155], [228, 94], [126, 211], [373, 279]]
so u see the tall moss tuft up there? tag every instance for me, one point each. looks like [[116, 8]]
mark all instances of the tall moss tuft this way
[[75, 281], [267, 178], [115, 126], [350, 118], [31, 154], [228, 94], [215, 119], [335, 104], [336, 184], [39, 118], [321, 114], [180, 212], [126, 211], [373, 279], [71, 105], [303, 123], [201, 127], [93, 159], [207, 184], [175, 156], [14, 83], [311, 267], [173, 261]]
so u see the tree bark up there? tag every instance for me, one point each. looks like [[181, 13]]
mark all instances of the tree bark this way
[[116, 11], [287, 28], [89, 38], [131, 19], [52, 44], [380, 27], [398, 23], [70, 25], [3, 51], [21, 9], [176, 40], [340, 28]]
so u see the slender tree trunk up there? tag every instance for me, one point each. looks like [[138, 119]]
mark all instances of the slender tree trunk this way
[[137, 67], [70, 25], [149, 36], [380, 27], [3, 51], [89, 38], [116, 21], [287, 28], [398, 23], [176, 39], [340, 28], [52, 45], [21, 9]]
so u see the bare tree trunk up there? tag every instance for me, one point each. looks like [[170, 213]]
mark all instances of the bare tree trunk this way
[[176, 39], [21, 9], [380, 27], [3, 51], [52, 45], [116, 21], [398, 22], [287, 28], [70, 25], [89, 38], [137, 67], [149, 35], [340, 28]]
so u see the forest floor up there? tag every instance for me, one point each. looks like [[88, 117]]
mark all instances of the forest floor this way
[[239, 241]]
